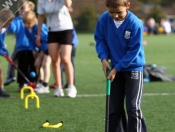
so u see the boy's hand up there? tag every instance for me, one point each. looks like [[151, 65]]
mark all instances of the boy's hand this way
[[105, 66], [112, 74], [4, 51]]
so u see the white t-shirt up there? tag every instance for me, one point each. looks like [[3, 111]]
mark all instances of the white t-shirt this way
[[118, 23], [58, 16]]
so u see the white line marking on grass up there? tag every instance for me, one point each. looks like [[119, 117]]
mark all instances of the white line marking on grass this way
[[146, 94], [158, 94], [90, 95], [100, 95]]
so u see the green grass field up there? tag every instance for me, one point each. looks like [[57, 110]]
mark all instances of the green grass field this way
[[86, 113]]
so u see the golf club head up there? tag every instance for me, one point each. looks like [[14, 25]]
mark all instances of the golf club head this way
[[31, 84]]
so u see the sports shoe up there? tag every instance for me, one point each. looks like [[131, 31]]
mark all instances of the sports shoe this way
[[53, 85], [42, 89], [39, 85], [9, 80], [3, 93], [71, 91], [58, 92]]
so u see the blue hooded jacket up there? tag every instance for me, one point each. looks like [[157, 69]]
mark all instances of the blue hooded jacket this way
[[31, 35], [3, 50], [18, 28]]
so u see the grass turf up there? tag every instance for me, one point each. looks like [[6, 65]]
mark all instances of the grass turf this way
[[87, 114]]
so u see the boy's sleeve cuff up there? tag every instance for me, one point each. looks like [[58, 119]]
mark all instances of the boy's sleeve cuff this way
[[118, 67], [103, 56]]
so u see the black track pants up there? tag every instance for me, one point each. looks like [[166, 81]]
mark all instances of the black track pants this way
[[127, 86]]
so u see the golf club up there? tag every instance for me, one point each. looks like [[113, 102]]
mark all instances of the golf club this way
[[13, 64], [108, 88]]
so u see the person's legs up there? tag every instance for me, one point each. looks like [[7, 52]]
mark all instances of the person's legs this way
[[68, 68], [46, 70], [53, 49], [22, 66], [73, 52], [39, 70], [134, 86], [117, 117], [72, 60], [46, 67], [31, 67], [1, 78], [11, 70], [38, 62], [66, 61], [55, 58], [25, 65], [2, 92], [62, 73]]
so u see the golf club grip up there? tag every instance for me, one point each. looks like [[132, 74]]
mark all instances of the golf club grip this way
[[108, 82]]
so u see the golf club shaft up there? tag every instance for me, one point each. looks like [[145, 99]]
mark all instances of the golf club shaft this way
[[108, 87], [22, 74], [13, 64]]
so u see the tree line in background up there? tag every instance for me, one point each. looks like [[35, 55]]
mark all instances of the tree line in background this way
[[87, 18]]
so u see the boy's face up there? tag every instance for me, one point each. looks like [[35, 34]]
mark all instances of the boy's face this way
[[23, 9], [118, 13], [29, 25]]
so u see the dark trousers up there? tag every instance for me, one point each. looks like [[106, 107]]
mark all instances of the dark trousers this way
[[72, 60], [26, 65], [127, 86]]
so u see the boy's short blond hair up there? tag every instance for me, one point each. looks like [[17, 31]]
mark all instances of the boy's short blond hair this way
[[116, 3], [6, 14], [29, 16], [31, 5]]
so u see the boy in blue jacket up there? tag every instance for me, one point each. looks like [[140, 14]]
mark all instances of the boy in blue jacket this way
[[23, 6], [42, 57], [24, 50], [118, 37], [5, 20]]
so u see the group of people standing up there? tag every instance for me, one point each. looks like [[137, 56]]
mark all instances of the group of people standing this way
[[165, 26], [118, 35], [39, 45]]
